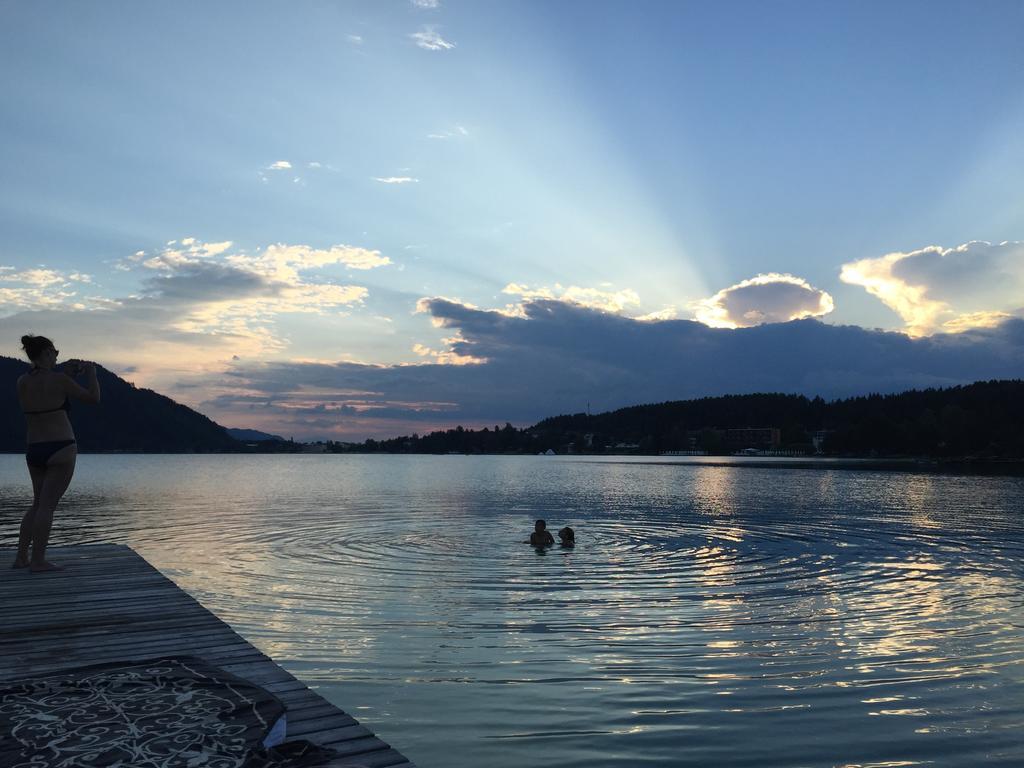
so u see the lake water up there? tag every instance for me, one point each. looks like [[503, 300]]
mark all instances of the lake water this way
[[708, 616]]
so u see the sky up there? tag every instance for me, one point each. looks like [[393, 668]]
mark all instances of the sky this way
[[350, 219]]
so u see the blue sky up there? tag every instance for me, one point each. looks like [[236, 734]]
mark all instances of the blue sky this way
[[196, 193]]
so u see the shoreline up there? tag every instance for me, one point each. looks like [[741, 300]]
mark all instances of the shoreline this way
[[926, 465], [958, 466]]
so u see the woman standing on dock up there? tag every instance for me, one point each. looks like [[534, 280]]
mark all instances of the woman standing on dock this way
[[45, 398]]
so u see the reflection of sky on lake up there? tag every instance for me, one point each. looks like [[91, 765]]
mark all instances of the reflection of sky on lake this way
[[728, 616]]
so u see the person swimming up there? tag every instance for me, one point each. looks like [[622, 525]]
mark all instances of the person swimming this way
[[541, 536], [567, 536]]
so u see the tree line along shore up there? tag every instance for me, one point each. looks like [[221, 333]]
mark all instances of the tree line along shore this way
[[984, 420], [979, 421]]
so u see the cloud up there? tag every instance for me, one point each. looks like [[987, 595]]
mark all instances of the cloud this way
[[595, 298], [396, 179], [668, 313], [946, 289], [557, 356], [975, 320], [41, 287], [426, 4], [171, 258], [196, 306], [284, 262], [203, 281], [242, 292], [448, 356], [429, 39], [457, 132], [279, 165], [38, 277], [771, 298]]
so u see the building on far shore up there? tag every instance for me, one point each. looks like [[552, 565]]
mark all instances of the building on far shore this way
[[761, 438], [819, 438], [713, 440]]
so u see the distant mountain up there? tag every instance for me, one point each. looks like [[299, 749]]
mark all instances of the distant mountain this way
[[253, 435], [128, 419]]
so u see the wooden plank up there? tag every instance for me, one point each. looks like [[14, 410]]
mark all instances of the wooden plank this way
[[22, 610], [93, 587], [127, 643], [317, 711], [325, 731], [327, 724], [344, 743], [72, 618], [110, 604], [226, 648], [40, 668], [100, 633], [10, 646], [379, 759]]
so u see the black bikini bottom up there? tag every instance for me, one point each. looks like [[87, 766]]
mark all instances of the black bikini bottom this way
[[38, 454]]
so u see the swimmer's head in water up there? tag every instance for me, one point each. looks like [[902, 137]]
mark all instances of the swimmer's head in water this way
[[567, 535], [540, 526]]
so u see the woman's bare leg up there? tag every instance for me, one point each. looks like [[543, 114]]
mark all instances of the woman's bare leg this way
[[57, 479], [25, 535]]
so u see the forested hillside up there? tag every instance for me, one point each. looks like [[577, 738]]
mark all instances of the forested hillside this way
[[129, 419], [984, 419]]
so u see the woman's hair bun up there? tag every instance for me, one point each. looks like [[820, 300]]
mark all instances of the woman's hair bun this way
[[34, 346]]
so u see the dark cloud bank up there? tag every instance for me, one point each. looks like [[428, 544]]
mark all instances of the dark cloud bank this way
[[560, 356]]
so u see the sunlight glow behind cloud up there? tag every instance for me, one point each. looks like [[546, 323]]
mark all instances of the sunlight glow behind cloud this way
[[974, 285], [595, 298], [599, 188], [449, 356], [558, 356], [770, 298]]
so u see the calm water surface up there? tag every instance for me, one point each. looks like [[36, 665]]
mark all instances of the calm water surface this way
[[709, 616]]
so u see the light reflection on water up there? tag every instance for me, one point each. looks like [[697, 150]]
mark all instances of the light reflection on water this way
[[708, 615]]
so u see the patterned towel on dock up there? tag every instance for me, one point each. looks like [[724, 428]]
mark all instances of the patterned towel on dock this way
[[174, 712]]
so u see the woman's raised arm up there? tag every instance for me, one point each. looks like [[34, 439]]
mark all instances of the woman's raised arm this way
[[87, 395]]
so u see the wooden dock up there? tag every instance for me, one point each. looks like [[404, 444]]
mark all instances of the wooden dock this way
[[112, 605]]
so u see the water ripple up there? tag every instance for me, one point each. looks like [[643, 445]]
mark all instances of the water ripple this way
[[707, 616]]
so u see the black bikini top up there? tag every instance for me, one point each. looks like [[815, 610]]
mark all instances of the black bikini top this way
[[65, 406]]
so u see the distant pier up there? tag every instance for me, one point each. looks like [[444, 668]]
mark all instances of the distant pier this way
[[110, 605]]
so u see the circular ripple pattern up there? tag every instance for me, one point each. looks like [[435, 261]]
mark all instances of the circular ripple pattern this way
[[813, 617]]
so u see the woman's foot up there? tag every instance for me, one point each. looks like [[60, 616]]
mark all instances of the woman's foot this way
[[20, 562], [44, 567]]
